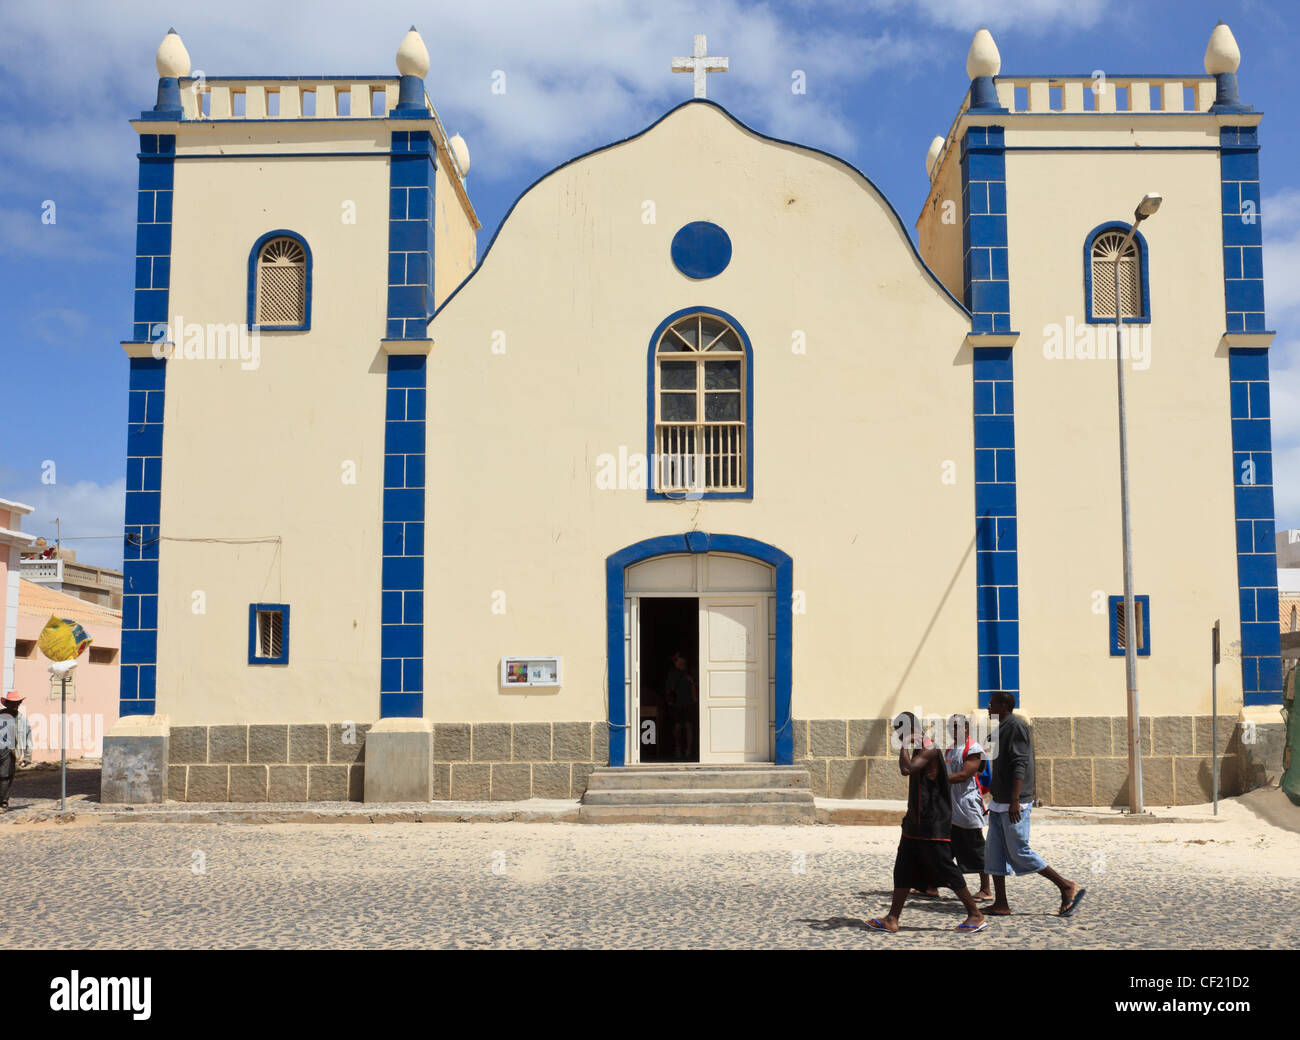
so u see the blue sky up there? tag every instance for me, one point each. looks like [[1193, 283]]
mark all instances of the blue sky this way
[[883, 78]]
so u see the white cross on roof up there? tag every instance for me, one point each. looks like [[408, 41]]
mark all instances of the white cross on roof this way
[[699, 64]]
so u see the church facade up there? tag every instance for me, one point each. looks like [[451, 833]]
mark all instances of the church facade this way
[[403, 523]]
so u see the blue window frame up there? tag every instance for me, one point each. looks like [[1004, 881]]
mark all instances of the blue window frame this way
[[297, 279], [1105, 295], [268, 633], [1142, 625], [702, 414]]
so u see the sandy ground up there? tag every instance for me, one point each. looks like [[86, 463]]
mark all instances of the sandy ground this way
[[1225, 885]]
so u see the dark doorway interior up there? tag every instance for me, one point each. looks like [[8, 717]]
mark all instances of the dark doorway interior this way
[[670, 626]]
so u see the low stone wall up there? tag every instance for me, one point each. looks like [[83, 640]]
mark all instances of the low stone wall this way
[[1077, 761], [481, 761]]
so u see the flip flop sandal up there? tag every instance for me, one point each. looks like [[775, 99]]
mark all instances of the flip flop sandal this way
[[971, 929], [875, 926], [1069, 907]]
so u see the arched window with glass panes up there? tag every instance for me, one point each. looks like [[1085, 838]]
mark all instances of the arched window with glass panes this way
[[701, 433], [1103, 252], [279, 276]]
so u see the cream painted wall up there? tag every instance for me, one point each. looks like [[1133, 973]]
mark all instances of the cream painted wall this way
[[940, 243], [455, 248], [260, 454], [850, 438], [1067, 436]]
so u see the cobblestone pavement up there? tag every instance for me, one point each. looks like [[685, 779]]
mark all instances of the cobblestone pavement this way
[[109, 885]]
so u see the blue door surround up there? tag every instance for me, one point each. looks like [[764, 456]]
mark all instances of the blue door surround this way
[[696, 542]]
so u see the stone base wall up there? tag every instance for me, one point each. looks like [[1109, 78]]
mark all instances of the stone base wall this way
[[1078, 761], [480, 761]]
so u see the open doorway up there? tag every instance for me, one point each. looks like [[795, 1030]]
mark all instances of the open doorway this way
[[669, 676]]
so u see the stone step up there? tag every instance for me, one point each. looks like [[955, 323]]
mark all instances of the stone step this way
[[774, 814], [698, 796], [630, 778]]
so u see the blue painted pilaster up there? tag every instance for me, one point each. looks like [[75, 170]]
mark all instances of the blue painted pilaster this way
[[988, 297], [153, 234], [137, 682], [410, 304], [997, 580], [144, 434], [402, 636], [1243, 264], [984, 229], [1252, 443], [1252, 464]]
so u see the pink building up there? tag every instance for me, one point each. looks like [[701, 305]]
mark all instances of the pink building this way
[[93, 699], [12, 539]]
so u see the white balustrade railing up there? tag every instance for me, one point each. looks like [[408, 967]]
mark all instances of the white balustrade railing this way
[[300, 98], [700, 456], [1092, 95], [1102, 94]]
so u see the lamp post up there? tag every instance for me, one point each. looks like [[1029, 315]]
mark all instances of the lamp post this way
[[1149, 204], [62, 670]]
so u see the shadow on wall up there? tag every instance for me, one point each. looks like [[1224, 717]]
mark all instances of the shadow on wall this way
[[896, 698]]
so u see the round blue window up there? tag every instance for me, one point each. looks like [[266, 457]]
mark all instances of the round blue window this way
[[701, 250]]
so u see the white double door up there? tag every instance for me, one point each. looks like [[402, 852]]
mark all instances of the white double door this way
[[733, 686], [733, 683], [735, 598]]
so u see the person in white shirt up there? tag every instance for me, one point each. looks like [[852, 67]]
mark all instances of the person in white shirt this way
[[964, 757]]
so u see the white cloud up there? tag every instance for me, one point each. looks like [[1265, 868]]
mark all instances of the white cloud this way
[[1280, 214], [577, 74], [1284, 401], [1023, 15], [91, 517]]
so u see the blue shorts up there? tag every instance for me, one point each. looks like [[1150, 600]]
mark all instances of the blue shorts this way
[[1007, 849]]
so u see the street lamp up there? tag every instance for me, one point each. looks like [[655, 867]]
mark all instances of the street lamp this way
[[1149, 204]]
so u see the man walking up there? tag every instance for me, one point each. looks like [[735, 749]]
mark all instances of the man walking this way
[[924, 851], [15, 743], [963, 760], [1012, 791]]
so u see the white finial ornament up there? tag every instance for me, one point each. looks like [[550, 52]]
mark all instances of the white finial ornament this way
[[983, 58], [172, 58], [699, 64], [412, 55], [1222, 53], [460, 152], [932, 156]]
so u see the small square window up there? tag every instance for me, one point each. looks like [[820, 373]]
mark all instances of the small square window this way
[[1141, 625], [268, 633], [24, 648], [102, 655]]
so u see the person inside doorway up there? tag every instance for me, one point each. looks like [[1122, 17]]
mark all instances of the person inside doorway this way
[[682, 701]]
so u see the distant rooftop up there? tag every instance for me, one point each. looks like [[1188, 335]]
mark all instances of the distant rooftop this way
[[39, 601]]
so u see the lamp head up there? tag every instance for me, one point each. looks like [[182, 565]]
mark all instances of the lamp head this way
[[1149, 204]]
